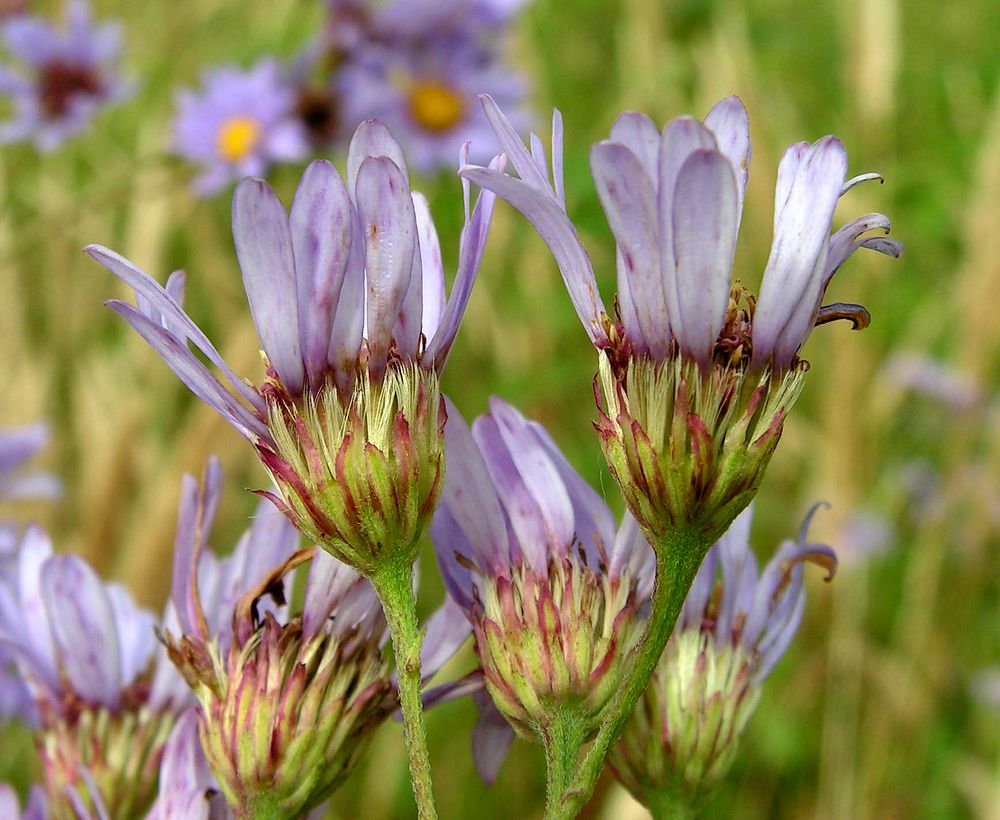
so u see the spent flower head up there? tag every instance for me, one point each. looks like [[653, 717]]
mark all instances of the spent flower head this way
[[290, 695], [105, 698], [66, 75], [531, 554], [238, 123], [348, 296], [697, 376], [736, 624]]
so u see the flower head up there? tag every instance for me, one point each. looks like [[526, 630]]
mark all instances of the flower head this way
[[237, 124], [312, 681], [530, 552], [347, 293], [66, 75], [696, 375], [735, 626], [104, 695]]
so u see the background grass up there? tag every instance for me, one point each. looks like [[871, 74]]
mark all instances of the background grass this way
[[870, 714]]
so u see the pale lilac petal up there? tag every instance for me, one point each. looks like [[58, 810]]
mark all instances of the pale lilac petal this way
[[739, 573], [629, 200], [136, 636], [432, 269], [174, 317], [626, 306], [512, 145], [328, 582], [447, 629], [533, 496], [491, 739], [793, 279], [34, 552], [320, 222], [850, 237], [730, 123], [10, 806], [450, 541], [681, 138], [558, 232], [704, 241], [470, 498], [264, 249], [557, 157], [386, 209], [185, 779], [538, 154], [633, 555], [693, 614], [640, 135], [348, 323], [853, 181], [192, 372], [20, 445], [593, 521], [470, 253], [83, 628], [372, 139]]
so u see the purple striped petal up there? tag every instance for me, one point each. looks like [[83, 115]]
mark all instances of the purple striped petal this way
[[640, 135], [264, 249], [193, 373], [186, 783], [681, 138], [174, 319], [629, 200], [136, 636], [35, 632], [372, 139], [729, 122], [83, 628], [431, 268], [320, 224], [556, 229], [386, 209], [470, 498], [808, 189], [704, 241]]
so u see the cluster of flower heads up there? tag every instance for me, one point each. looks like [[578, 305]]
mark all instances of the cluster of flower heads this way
[[62, 75], [258, 701], [418, 67]]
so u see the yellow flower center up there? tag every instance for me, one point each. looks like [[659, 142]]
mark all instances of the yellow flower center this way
[[238, 137], [435, 106]]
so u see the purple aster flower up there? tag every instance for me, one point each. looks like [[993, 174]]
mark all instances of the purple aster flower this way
[[104, 695], [17, 447], [530, 553], [66, 75], [312, 680], [736, 624], [238, 124], [348, 296], [428, 95], [696, 376]]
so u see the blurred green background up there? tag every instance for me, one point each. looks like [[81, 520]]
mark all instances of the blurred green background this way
[[870, 714]]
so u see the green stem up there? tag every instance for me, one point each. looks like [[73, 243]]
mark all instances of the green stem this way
[[669, 804], [562, 740], [259, 808], [394, 584], [679, 554]]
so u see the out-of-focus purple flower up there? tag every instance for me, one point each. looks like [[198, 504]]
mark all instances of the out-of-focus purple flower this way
[[923, 375], [66, 75], [348, 296], [531, 554], [311, 681], [17, 447], [10, 806], [696, 376], [428, 93], [104, 694], [238, 124], [736, 624]]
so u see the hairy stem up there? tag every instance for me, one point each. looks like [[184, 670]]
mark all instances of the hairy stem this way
[[678, 556], [562, 740], [394, 584]]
